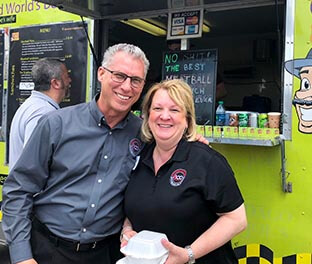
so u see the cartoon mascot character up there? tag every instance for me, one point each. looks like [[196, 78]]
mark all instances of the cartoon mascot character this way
[[302, 69]]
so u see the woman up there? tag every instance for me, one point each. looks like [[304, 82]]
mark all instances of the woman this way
[[182, 188]]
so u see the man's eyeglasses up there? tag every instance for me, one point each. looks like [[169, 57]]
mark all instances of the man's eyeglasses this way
[[120, 77]]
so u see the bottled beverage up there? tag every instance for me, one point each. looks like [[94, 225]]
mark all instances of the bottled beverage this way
[[220, 114], [243, 119], [263, 120]]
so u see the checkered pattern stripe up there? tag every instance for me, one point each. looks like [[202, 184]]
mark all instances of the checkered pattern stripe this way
[[260, 254]]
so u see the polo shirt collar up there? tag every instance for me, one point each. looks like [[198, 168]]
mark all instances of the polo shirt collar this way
[[100, 118], [181, 153]]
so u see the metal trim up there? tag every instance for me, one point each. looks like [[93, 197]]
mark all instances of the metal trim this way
[[221, 6], [287, 77]]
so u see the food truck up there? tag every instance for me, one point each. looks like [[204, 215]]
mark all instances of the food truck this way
[[259, 50]]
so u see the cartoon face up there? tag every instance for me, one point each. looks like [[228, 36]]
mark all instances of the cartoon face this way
[[303, 100]]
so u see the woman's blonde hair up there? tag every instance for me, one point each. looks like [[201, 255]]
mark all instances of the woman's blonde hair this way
[[181, 93]]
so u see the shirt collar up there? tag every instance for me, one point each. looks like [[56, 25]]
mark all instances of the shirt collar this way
[[181, 153], [100, 118], [45, 97]]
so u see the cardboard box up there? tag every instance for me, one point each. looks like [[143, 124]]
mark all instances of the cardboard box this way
[[243, 132], [217, 131], [275, 132], [234, 132], [227, 131], [208, 131], [268, 133], [251, 132], [259, 133], [200, 129]]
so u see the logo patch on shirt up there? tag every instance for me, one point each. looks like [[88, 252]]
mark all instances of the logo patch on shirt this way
[[177, 177], [135, 146]]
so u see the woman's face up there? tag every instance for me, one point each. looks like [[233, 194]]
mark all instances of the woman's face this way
[[167, 120]]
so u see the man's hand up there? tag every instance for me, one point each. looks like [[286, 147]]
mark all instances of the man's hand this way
[[200, 138], [28, 261]]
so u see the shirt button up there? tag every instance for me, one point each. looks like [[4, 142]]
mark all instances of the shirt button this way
[[92, 205], [84, 230], [110, 132], [105, 157], [100, 180]]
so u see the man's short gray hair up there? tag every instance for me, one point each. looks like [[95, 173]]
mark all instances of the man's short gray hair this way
[[127, 48], [44, 70]]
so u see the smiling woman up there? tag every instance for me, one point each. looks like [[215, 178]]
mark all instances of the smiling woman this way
[[179, 179], [172, 102]]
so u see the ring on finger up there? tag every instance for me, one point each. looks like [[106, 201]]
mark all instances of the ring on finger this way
[[125, 237]]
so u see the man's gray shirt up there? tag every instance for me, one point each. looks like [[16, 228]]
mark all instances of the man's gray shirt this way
[[25, 120], [71, 175]]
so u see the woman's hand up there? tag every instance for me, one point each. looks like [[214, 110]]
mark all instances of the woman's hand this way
[[126, 233], [177, 255], [125, 236]]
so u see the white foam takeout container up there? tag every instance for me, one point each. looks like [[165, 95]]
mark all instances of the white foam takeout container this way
[[145, 248], [132, 260]]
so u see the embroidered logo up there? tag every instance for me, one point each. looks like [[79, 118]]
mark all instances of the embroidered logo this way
[[177, 177], [135, 147]]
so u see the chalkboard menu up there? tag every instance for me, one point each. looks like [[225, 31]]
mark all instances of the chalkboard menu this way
[[28, 44], [198, 68]]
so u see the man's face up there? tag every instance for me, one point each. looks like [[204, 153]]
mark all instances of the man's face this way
[[303, 100], [118, 97], [65, 81]]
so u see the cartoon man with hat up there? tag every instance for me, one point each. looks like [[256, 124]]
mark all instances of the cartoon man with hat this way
[[302, 69]]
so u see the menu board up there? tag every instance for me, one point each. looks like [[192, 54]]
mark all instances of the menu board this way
[[198, 68], [1, 70], [28, 44]]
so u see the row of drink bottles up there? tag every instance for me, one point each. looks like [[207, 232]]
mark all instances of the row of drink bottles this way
[[246, 119]]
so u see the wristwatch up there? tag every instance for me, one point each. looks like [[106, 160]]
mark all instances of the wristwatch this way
[[190, 254]]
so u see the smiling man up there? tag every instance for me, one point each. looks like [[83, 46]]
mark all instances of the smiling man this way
[[62, 202], [302, 69]]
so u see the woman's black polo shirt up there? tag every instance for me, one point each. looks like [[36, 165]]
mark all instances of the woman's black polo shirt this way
[[183, 198]]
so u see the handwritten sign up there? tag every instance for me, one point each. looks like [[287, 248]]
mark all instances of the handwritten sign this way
[[198, 69]]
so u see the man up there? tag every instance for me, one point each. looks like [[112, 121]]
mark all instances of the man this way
[[52, 81], [72, 174], [301, 68]]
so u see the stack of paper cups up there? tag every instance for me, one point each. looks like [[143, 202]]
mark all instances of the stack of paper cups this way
[[274, 119]]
